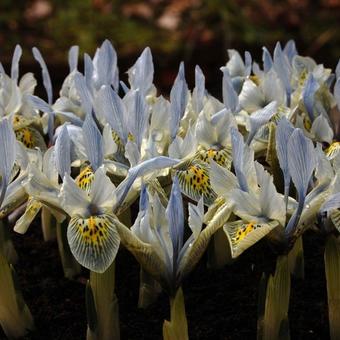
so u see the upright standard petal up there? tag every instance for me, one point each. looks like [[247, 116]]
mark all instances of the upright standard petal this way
[[63, 152], [105, 65], [102, 192], [290, 50], [301, 164], [283, 133], [110, 106], [283, 69], [238, 155], [175, 216], [93, 142], [73, 57], [230, 97], [259, 118], [15, 63], [301, 161], [267, 60], [7, 154], [74, 200], [141, 73], [138, 115], [308, 95], [83, 92], [199, 90], [178, 100], [45, 74]]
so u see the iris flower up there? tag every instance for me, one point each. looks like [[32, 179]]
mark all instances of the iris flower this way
[[251, 193]]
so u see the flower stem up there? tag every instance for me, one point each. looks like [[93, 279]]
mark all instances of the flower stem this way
[[332, 268], [177, 327], [102, 306]]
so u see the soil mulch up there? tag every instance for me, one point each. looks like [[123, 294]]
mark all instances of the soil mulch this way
[[220, 304]]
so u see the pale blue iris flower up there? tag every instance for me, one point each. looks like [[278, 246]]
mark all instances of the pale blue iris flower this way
[[252, 195], [157, 237]]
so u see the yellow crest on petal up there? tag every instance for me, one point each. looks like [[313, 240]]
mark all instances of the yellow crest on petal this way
[[222, 157], [333, 150], [243, 235], [194, 181], [85, 178], [118, 141], [30, 137], [94, 241]]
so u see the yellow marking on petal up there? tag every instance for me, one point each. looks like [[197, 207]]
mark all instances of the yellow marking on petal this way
[[333, 150], [243, 235], [85, 178], [30, 137], [32, 209], [303, 77], [12, 205], [195, 182], [255, 80], [131, 137], [24, 135], [119, 143], [20, 121], [243, 231], [307, 123], [94, 230], [222, 157], [94, 241]]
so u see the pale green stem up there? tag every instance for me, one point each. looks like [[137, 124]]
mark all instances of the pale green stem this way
[[6, 244], [102, 306], [177, 327], [149, 289], [48, 224], [71, 267], [15, 317], [274, 303], [296, 259], [332, 268], [218, 256]]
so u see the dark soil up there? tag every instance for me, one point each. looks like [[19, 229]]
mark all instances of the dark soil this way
[[220, 304]]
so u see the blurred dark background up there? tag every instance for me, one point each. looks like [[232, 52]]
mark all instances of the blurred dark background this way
[[196, 31]]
